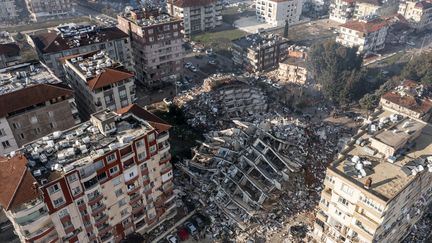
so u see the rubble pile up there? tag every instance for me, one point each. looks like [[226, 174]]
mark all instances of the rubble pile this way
[[220, 99], [254, 177]]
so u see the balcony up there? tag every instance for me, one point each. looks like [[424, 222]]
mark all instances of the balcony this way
[[75, 233], [28, 208], [365, 220], [166, 168], [105, 228], [132, 189], [101, 219], [107, 238], [96, 198], [162, 137], [98, 209], [137, 207], [128, 164], [134, 198], [137, 217], [165, 158], [42, 231], [168, 187], [145, 171], [164, 147]]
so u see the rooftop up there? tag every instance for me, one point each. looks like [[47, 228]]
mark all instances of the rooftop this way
[[256, 41], [98, 69], [72, 36], [148, 17], [60, 152], [389, 175], [366, 26], [295, 61], [9, 49], [191, 3], [5, 38], [424, 5], [23, 75]]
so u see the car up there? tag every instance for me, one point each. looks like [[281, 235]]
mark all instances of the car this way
[[191, 228], [212, 62], [195, 50], [410, 43], [172, 239], [188, 65], [183, 234], [193, 69], [209, 51], [199, 221]]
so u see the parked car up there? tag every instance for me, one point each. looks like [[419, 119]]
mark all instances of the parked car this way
[[188, 65], [212, 62], [172, 239], [183, 234], [191, 228]]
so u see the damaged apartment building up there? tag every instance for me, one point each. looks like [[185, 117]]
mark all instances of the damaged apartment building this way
[[249, 166], [96, 182], [222, 98], [259, 52], [380, 184]]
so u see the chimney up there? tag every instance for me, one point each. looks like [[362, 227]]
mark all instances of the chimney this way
[[368, 183]]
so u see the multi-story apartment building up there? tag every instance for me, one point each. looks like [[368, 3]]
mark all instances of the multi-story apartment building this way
[[8, 11], [293, 70], [277, 12], [258, 52], [367, 34], [418, 13], [49, 9], [365, 8], [99, 83], [381, 182], [78, 39], [96, 182], [157, 45], [342, 10], [33, 103], [198, 16]]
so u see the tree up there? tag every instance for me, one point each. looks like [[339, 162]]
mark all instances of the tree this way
[[285, 34], [419, 69], [337, 69]]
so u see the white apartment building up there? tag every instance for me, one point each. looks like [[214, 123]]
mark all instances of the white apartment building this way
[[96, 182], [198, 16], [418, 13], [8, 11], [276, 12], [367, 34], [75, 39], [342, 10], [99, 83], [381, 182], [49, 9]]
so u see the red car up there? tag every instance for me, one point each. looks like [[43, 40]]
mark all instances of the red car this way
[[183, 234]]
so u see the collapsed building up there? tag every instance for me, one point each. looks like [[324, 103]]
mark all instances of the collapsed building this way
[[222, 98]]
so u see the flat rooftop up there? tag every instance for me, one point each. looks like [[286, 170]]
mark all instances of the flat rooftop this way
[[148, 18], [23, 75], [6, 38], [295, 61], [256, 41], [60, 152], [388, 177], [92, 64]]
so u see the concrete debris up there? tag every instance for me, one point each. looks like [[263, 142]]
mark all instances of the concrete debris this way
[[256, 176]]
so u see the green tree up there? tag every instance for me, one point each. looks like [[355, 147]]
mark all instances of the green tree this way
[[419, 69], [285, 34]]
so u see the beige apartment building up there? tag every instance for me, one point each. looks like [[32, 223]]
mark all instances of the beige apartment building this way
[[198, 16], [368, 34], [277, 12], [342, 10], [381, 182], [418, 13], [96, 182], [157, 45], [75, 39], [99, 83], [49, 9], [33, 103]]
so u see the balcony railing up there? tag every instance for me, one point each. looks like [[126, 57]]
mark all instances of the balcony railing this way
[[98, 209]]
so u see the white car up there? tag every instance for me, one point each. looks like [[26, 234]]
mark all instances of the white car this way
[[191, 228], [172, 239], [188, 65]]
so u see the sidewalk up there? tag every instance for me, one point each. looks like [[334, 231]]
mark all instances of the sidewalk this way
[[180, 222]]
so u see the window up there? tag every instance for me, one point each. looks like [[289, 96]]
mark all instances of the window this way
[[124, 212], [114, 170], [63, 213], [2, 132], [150, 31], [118, 192], [76, 190], [98, 165], [33, 120], [80, 201], [131, 174], [151, 137], [139, 143], [152, 149], [142, 156], [73, 177], [343, 201], [53, 125], [54, 188], [175, 26], [22, 136], [347, 189], [143, 166], [58, 202], [111, 158], [116, 181], [122, 202], [37, 130], [6, 144]]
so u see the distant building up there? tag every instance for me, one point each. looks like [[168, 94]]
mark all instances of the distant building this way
[[49, 9], [157, 45], [10, 52], [96, 182], [75, 39], [8, 11], [276, 12], [418, 13], [342, 10], [379, 186], [198, 16], [259, 52], [368, 34], [33, 103], [99, 83], [365, 8], [293, 70]]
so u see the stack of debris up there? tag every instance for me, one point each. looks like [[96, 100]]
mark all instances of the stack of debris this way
[[255, 177]]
